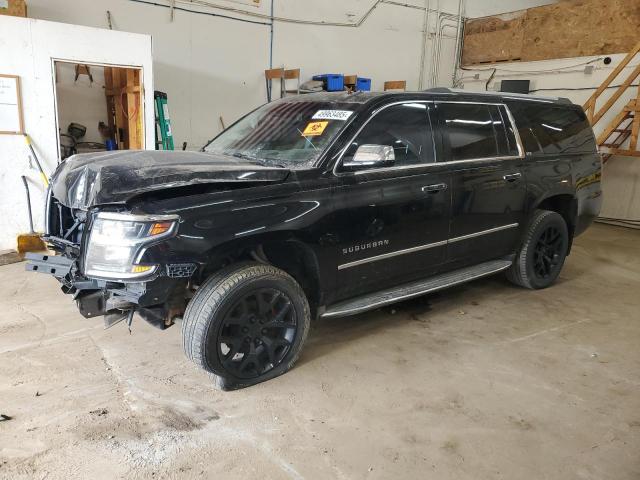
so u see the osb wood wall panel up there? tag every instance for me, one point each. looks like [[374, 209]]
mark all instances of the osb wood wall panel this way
[[493, 39], [581, 28], [571, 28]]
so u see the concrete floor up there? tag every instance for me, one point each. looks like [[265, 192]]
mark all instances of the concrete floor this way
[[482, 381]]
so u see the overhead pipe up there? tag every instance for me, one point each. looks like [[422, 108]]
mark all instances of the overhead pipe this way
[[442, 28], [423, 50], [433, 47], [438, 47], [270, 38], [436, 42], [357, 23], [436, 61], [456, 60]]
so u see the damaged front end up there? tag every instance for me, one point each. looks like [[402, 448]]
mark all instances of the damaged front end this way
[[111, 262], [117, 258]]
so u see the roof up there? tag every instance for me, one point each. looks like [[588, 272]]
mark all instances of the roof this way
[[362, 98], [336, 97]]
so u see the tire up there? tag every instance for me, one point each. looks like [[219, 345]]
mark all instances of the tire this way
[[541, 257], [246, 324]]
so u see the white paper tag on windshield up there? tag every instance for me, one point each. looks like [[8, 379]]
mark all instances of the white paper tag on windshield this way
[[332, 115]]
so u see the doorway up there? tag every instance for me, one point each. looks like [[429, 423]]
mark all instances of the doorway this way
[[98, 107]]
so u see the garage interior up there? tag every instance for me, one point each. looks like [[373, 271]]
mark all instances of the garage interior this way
[[481, 380]]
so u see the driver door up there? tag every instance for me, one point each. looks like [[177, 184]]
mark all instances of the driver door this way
[[394, 217]]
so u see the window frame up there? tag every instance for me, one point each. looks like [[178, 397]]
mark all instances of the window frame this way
[[445, 138], [343, 151], [438, 133]]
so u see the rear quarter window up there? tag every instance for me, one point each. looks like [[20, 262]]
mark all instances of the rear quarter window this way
[[476, 131], [553, 129]]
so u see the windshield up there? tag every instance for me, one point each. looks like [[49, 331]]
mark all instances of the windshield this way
[[292, 133]]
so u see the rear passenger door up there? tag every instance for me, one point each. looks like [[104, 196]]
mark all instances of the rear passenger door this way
[[484, 157]]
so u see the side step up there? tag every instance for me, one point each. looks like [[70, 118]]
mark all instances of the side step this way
[[414, 289]]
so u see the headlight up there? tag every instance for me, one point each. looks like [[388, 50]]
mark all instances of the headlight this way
[[117, 241]]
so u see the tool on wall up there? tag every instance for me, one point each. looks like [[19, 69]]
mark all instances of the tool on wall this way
[[35, 157], [164, 136], [82, 69]]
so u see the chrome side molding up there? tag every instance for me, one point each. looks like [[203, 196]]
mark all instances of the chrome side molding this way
[[483, 232], [441, 243], [391, 254]]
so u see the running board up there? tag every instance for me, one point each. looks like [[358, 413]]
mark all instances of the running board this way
[[414, 289]]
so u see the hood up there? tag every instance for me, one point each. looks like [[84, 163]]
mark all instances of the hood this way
[[86, 180]]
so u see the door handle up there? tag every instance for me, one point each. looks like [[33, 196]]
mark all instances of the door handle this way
[[512, 177], [435, 188]]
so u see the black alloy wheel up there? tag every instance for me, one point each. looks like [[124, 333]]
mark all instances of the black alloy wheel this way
[[548, 252], [544, 248], [247, 323], [257, 333]]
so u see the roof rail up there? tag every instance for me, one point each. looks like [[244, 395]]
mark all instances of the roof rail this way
[[524, 96], [439, 90]]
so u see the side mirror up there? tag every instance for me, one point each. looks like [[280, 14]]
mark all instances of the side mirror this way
[[371, 156]]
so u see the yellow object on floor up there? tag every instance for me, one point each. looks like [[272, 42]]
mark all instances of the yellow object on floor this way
[[30, 242]]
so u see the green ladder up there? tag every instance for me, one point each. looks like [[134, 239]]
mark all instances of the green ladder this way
[[164, 137]]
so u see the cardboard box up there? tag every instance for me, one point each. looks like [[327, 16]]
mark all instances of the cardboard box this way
[[17, 8]]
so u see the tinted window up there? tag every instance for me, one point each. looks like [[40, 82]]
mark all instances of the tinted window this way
[[476, 131], [404, 127], [554, 129]]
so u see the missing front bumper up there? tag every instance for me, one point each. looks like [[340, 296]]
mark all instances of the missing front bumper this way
[[55, 265], [158, 301]]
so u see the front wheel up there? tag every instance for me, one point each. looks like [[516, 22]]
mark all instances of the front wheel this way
[[246, 324], [539, 261]]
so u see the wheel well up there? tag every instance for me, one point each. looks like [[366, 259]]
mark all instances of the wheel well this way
[[567, 206], [298, 261], [293, 257]]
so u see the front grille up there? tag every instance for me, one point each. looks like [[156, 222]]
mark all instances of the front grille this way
[[181, 270], [60, 218], [64, 228]]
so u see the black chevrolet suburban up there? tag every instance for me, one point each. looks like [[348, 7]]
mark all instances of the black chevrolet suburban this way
[[321, 205]]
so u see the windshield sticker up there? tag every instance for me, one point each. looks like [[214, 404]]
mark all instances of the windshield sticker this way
[[314, 129], [332, 115]]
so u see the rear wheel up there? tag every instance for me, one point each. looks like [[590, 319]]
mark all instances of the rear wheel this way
[[540, 260], [246, 324]]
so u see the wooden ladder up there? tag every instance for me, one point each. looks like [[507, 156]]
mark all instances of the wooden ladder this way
[[619, 130], [625, 126]]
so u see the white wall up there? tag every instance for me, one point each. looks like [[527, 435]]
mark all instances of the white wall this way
[[212, 67], [567, 78], [487, 7], [27, 48], [81, 101]]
